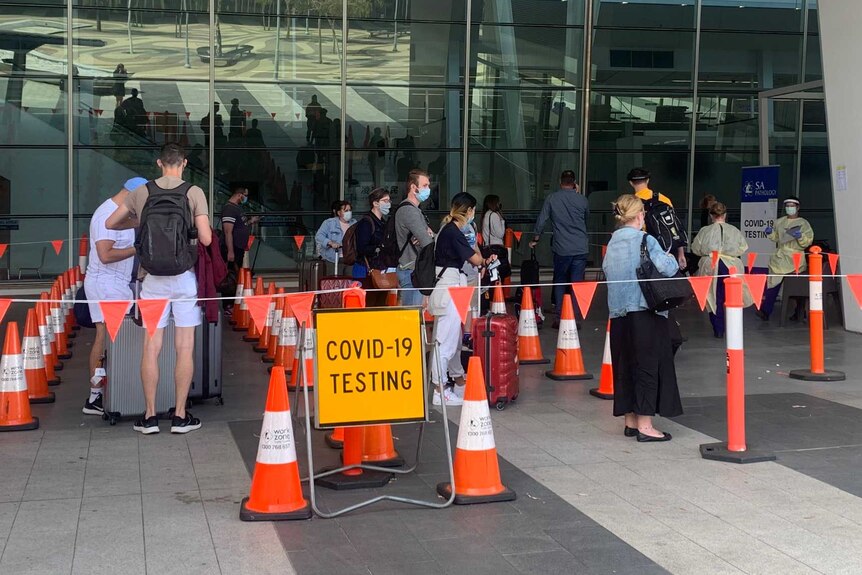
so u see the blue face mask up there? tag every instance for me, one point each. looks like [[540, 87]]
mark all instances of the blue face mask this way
[[384, 208], [424, 194], [244, 200], [470, 221], [470, 234]]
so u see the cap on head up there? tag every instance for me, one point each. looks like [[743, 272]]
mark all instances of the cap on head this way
[[134, 183], [792, 200], [638, 175]]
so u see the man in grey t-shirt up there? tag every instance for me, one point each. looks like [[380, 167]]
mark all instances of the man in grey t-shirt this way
[[568, 211], [412, 233]]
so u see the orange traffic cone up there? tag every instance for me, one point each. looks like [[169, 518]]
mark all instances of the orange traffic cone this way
[[83, 252], [73, 291], [68, 296], [569, 363], [605, 390], [307, 370], [498, 304], [286, 339], [275, 331], [379, 447], [243, 319], [253, 329], [529, 345], [49, 330], [263, 341], [392, 298], [276, 494], [14, 404], [335, 438], [34, 363], [238, 295], [477, 471], [47, 349], [59, 325], [79, 278]]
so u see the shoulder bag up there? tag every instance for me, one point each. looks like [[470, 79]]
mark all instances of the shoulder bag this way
[[660, 295]]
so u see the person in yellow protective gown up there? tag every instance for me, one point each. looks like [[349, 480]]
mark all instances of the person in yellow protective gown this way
[[792, 235], [727, 240]]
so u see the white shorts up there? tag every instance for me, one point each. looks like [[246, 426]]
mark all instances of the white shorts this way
[[184, 286], [104, 289]]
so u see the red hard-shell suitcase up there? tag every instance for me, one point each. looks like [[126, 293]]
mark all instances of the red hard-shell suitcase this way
[[495, 336], [334, 299]]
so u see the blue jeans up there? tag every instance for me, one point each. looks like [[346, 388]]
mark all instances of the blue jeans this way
[[567, 269], [411, 297]]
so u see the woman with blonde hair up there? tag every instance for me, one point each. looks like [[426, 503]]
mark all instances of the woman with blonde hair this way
[[451, 252], [728, 241], [641, 351]]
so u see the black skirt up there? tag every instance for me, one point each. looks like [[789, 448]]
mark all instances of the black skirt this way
[[644, 374]]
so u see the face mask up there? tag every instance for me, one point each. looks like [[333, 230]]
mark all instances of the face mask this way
[[348, 215], [424, 194], [470, 221], [244, 200], [384, 208], [790, 210]]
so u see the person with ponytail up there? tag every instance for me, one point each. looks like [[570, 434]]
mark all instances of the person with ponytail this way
[[451, 252]]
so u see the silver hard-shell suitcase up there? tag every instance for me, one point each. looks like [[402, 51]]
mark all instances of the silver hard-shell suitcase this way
[[124, 394]]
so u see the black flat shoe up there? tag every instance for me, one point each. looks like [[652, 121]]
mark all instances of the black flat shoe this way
[[648, 438], [630, 431]]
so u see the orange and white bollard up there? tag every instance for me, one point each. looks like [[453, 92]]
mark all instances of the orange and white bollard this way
[[735, 450], [818, 371]]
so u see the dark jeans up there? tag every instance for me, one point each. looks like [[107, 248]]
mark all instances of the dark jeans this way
[[769, 297], [567, 269], [717, 318]]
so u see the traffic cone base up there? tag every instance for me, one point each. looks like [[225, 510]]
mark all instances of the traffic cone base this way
[[808, 375], [273, 513], [44, 399], [34, 424], [342, 482], [564, 377], [445, 490], [542, 361], [335, 438]]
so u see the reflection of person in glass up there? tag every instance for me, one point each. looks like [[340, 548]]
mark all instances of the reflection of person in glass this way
[[119, 87], [254, 137], [218, 123], [792, 235], [237, 120], [375, 161], [312, 112], [132, 115]]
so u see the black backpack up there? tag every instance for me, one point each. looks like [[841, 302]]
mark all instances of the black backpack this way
[[164, 239], [390, 251], [663, 224], [424, 276]]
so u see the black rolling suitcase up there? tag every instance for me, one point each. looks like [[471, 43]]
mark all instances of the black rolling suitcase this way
[[207, 377]]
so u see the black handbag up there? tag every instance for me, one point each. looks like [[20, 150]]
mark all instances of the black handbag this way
[[661, 295]]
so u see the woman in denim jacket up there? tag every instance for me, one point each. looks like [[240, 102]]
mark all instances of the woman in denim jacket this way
[[641, 353], [331, 233]]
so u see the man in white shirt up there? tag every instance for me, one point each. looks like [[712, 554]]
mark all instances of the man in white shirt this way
[[109, 273]]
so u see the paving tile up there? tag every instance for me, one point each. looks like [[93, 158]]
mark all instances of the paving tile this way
[[177, 534], [423, 568], [110, 536], [42, 540], [544, 562], [7, 517]]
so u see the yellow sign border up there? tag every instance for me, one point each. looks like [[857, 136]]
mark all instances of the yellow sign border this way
[[420, 337]]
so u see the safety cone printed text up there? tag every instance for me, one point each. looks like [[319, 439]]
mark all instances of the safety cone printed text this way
[[476, 420], [12, 374], [276, 439], [527, 323]]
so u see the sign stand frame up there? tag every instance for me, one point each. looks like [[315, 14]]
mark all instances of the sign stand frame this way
[[310, 452]]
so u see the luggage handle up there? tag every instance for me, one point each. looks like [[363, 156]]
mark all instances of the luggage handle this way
[[488, 334]]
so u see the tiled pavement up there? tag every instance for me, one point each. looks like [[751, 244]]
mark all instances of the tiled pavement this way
[[82, 497]]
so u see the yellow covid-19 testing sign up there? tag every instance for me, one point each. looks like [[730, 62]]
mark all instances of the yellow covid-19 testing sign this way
[[370, 367]]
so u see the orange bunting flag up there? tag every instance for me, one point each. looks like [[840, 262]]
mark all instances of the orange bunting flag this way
[[3, 249], [4, 307], [300, 304], [353, 297], [797, 261], [833, 262], [151, 313], [584, 292], [114, 311], [700, 285], [756, 285], [272, 114], [855, 282], [604, 251], [518, 236], [58, 246], [461, 296], [250, 243], [714, 258], [299, 240], [258, 307], [752, 257]]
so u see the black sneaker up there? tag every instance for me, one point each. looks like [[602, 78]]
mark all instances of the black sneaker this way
[[94, 407], [147, 425], [185, 424]]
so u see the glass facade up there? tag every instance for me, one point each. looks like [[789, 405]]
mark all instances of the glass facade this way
[[309, 101]]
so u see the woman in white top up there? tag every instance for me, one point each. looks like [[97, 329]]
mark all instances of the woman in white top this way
[[493, 224]]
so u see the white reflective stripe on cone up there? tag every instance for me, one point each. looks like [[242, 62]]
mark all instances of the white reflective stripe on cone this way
[[498, 307], [276, 439], [815, 292], [238, 293], [568, 338], [475, 432], [33, 353], [49, 328], [270, 311], [606, 356], [276, 324], [287, 336], [12, 374], [45, 340], [733, 327], [245, 293], [527, 324], [309, 342], [58, 322]]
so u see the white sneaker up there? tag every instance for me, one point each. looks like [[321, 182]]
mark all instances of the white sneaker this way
[[458, 390], [451, 398]]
